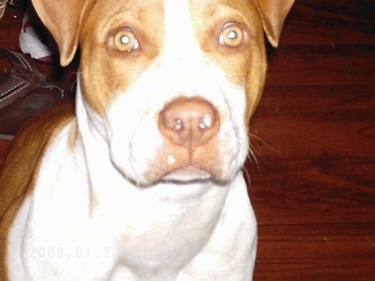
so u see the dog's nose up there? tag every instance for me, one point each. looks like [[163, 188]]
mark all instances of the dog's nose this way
[[189, 122]]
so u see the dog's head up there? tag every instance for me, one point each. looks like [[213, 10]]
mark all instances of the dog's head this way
[[170, 85]]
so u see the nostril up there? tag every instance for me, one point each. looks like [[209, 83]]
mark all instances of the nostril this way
[[172, 123], [189, 122], [205, 122]]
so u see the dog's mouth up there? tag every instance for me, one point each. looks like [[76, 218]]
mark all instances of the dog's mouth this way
[[187, 174]]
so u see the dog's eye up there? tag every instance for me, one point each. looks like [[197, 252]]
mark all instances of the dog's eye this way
[[231, 35], [125, 41]]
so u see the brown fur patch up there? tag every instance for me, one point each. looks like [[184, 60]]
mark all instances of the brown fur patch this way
[[18, 170], [118, 70]]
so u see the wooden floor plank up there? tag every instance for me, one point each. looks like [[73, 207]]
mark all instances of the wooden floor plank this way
[[317, 252], [316, 121], [322, 65], [310, 195], [329, 22]]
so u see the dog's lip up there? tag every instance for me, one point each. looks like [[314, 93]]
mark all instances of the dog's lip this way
[[187, 174]]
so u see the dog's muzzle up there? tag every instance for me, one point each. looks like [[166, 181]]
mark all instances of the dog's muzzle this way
[[189, 127]]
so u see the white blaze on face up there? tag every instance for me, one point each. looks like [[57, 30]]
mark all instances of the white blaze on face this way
[[178, 27], [182, 60]]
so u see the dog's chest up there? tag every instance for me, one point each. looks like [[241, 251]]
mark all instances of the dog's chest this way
[[155, 228]]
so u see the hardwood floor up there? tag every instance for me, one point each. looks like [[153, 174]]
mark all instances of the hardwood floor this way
[[314, 187], [313, 135]]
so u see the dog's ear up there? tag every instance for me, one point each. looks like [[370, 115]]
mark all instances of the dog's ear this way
[[273, 13], [64, 20]]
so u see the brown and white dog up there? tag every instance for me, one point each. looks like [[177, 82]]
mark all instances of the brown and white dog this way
[[144, 182]]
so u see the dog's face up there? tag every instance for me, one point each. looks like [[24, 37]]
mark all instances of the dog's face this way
[[170, 85], [179, 63]]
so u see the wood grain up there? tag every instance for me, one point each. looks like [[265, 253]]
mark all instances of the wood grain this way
[[314, 138]]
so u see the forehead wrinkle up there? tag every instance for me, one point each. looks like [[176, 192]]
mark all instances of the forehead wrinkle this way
[[106, 15], [138, 10], [219, 10]]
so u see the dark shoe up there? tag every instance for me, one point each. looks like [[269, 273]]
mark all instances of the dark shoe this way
[[21, 80]]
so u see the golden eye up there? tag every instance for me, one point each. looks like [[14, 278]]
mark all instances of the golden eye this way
[[231, 35], [125, 41]]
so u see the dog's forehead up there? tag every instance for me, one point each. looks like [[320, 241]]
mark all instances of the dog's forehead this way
[[182, 17], [173, 16], [170, 33]]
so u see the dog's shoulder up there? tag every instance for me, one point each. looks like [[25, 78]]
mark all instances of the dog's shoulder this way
[[17, 169]]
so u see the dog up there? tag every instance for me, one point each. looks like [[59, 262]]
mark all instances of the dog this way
[[143, 179]]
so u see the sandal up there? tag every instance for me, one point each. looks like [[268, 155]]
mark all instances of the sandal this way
[[23, 78]]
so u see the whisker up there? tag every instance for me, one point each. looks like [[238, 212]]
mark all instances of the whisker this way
[[264, 143], [253, 159], [253, 154]]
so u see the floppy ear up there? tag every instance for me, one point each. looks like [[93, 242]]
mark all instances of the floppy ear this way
[[64, 20], [273, 14]]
